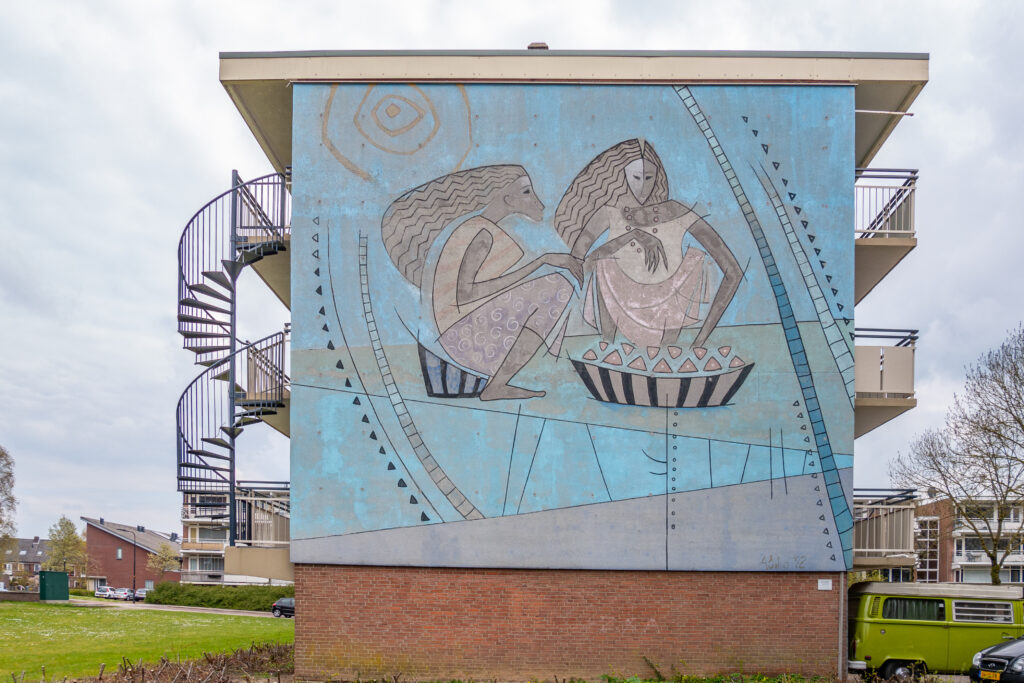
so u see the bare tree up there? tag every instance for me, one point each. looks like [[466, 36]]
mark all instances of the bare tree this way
[[8, 503], [976, 460]]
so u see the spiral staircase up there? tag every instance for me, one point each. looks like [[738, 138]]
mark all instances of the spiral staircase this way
[[244, 383]]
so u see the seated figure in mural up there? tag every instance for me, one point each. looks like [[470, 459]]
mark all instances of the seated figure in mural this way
[[492, 317], [643, 284]]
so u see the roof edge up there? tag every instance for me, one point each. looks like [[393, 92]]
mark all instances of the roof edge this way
[[753, 54]]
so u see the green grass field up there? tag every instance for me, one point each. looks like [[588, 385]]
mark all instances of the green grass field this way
[[74, 641]]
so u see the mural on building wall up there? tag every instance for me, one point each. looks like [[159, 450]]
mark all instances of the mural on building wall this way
[[567, 326]]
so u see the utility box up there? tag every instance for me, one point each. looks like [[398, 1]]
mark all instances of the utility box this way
[[53, 585]]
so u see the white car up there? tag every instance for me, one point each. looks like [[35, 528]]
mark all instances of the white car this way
[[104, 592]]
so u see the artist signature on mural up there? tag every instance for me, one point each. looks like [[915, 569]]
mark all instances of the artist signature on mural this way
[[780, 562]]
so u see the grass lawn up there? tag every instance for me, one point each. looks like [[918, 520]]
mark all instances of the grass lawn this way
[[74, 641]]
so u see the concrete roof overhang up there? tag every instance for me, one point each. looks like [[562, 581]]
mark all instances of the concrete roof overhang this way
[[259, 82]]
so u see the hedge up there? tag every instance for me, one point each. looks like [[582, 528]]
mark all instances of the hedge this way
[[256, 598]]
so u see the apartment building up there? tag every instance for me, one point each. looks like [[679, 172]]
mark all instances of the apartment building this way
[[573, 376]]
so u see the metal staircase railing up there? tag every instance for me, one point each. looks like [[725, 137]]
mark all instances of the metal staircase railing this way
[[237, 228], [210, 416], [240, 386]]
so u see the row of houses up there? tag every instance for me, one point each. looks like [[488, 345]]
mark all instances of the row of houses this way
[[117, 555], [899, 534]]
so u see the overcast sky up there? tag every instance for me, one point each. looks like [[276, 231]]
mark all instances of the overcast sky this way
[[116, 130]]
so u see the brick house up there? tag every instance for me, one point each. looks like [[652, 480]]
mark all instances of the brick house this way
[[118, 554]]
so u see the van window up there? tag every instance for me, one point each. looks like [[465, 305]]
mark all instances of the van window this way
[[986, 612], [920, 609]]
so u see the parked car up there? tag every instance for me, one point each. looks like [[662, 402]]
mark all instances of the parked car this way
[[284, 607], [1002, 662], [906, 629], [104, 592], [140, 594], [123, 594]]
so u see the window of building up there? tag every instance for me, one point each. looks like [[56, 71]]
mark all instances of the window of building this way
[[985, 612], [149, 584], [926, 542], [210, 564], [35, 567], [919, 609], [119, 553], [897, 574], [213, 533]]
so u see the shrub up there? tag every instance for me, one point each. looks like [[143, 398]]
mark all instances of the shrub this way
[[80, 591], [257, 598]]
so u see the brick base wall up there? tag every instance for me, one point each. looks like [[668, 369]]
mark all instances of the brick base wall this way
[[355, 622]]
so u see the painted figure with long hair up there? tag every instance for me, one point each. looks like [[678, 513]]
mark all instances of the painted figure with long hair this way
[[492, 317], [643, 284]]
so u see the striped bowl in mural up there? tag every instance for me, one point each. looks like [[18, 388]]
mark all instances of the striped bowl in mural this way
[[445, 380], [664, 377]]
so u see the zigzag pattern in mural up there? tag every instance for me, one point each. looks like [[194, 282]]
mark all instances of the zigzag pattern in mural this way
[[797, 352], [408, 235]]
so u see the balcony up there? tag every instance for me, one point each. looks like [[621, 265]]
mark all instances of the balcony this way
[[883, 378], [214, 514], [883, 528], [210, 577], [884, 224], [202, 546]]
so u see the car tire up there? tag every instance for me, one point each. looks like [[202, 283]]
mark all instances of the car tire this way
[[276, 612], [902, 672]]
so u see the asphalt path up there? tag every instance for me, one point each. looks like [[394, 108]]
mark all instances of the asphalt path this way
[[122, 604]]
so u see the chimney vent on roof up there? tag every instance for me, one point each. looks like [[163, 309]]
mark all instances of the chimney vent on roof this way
[[101, 521], [35, 539], [537, 46], [174, 537], [140, 528]]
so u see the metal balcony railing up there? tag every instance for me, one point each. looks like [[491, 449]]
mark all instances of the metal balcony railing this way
[[214, 577], [885, 370], [884, 202], [883, 523], [263, 514]]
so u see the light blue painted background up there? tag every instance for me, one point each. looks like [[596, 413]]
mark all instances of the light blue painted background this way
[[339, 482]]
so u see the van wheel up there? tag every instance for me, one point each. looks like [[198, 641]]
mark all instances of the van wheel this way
[[903, 672], [277, 612]]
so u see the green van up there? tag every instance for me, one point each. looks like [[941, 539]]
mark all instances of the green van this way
[[902, 629]]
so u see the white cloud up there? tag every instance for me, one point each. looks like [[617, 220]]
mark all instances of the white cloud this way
[[116, 129]]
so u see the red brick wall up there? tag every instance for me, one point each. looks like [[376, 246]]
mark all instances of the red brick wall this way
[[374, 622], [102, 548]]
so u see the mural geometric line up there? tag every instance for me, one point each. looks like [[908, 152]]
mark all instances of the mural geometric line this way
[[348, 383], [837, 345], [837, 499], [437, 474]]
